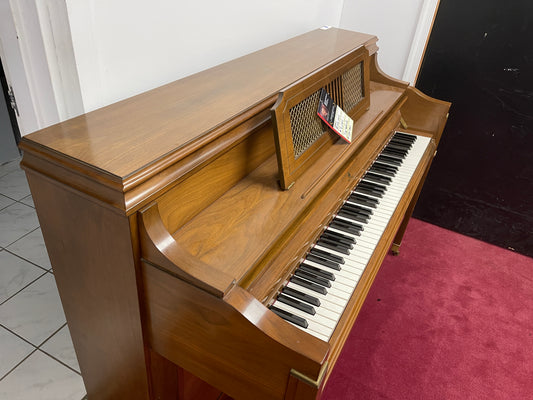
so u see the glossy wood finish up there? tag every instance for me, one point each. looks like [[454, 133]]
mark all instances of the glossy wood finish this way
[[94, 262], [169, 234], [251, 219], [236, 345], [125, 138]]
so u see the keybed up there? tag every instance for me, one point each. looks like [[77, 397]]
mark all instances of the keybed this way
[[316, 295]]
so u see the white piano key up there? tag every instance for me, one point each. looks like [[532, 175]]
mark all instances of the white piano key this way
[[333, 303]]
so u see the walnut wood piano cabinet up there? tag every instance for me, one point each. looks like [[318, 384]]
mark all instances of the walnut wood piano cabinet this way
[[173, 219]]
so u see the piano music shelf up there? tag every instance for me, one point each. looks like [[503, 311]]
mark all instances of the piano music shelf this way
[[256, 212]]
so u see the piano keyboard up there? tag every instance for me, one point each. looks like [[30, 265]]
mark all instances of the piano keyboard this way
[[316, 295]]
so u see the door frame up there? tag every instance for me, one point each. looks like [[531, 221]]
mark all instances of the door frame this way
[[428, 12], [39, 63]]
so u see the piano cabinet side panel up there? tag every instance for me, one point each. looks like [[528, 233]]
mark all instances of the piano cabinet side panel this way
[[422, 113], [91, 253], [230, 343]]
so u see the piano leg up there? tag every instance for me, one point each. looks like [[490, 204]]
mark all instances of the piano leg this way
[[171, 382], [396, 243], [165, 378], [395, 248], [300, 390]]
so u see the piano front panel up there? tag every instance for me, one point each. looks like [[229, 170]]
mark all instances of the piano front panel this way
[[237, 345]]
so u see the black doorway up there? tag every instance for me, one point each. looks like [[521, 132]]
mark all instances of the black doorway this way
[[480, 57]]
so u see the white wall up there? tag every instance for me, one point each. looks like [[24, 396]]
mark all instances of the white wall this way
[[124, 47], [97, 52], [393, 22]]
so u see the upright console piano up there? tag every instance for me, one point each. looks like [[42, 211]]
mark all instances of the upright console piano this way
[[214, 236]]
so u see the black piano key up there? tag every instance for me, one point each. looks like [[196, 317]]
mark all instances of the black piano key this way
[[405, 136], [394, 153], [380, 170], [297, 304], [385, 166], [385, 180], [338, 247], [358, 209], [312, 277], [364, 200], [324, 262], [295, 319], [361, 215], [343, 244], [398, 146], [328, 256], [401, 143], [317, 271], [367, 190], [399, 139], [387, 159], [309, 285], [339, 237], [373, 185], [301, 296], [343, 212], [394, 147], [347, 226]]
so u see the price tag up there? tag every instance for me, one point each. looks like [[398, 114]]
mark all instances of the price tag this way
[[334, 116]]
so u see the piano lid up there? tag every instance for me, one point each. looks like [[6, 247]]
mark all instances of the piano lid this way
[[122, 139]]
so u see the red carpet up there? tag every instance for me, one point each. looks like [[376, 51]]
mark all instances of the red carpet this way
[[449, 318]]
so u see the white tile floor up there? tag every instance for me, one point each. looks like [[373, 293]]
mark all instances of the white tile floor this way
[[37, 360]]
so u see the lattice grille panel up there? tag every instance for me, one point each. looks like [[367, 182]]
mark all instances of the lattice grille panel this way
[[306, 127], [334, 88], [352, 87]]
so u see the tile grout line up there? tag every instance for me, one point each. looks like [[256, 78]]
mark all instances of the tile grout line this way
[[53, 357], [37, 348], [26, 234], [21, 257], [35, 280], [20, 362]]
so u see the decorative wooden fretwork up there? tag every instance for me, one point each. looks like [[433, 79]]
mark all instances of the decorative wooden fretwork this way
[[299, 133]]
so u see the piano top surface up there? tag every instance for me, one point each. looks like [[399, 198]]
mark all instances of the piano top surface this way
[[121, 139]]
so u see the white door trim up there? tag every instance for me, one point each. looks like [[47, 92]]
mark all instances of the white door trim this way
[[30, 42], [420, 40], [38, 57]]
